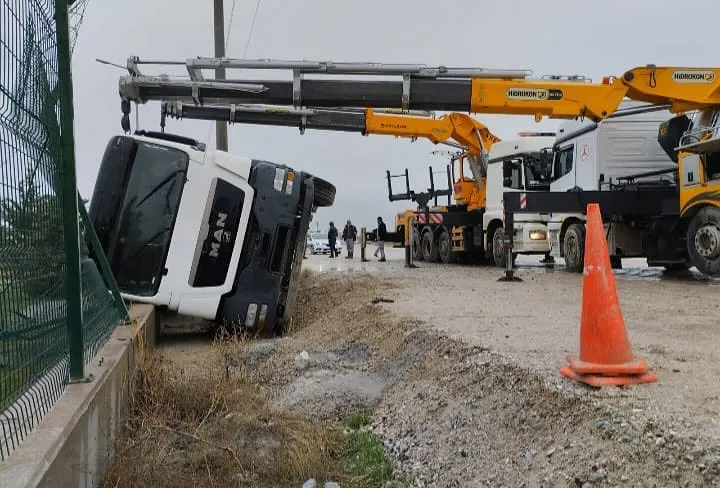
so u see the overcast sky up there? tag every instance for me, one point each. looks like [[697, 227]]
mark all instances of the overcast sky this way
[[553, 36]]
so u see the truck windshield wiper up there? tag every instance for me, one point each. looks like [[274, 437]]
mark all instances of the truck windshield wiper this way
[[157, 187], [149, 241]]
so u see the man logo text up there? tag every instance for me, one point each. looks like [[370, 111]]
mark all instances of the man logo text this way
[[218, 235]]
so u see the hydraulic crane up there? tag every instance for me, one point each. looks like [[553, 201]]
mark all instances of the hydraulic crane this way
[[683, 223], [468, 134], [438, 232]]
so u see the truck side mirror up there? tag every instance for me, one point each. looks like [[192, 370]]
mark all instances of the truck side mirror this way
[[507, 181]]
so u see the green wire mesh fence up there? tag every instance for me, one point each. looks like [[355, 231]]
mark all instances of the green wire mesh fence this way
[[53, 316]]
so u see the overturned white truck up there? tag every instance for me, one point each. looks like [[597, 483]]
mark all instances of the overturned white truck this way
[[204, 233]]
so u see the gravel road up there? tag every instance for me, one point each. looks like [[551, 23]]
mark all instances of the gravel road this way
[[528, 328], [460, 372]]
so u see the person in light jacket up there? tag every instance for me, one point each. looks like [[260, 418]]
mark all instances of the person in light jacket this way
[[349, 235]]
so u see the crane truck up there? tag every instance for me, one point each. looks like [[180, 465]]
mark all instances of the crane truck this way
[[470, 227], [451, 232], [596, 156], [682, 220]]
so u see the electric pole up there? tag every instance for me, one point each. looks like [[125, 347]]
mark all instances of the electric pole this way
[[221, 137]]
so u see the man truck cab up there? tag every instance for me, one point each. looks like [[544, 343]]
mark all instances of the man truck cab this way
[[517, 165], [606, 155], [204, 233]]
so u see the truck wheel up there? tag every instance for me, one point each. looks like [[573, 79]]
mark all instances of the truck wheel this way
[[498, 247], [703, 241], [417, 246], [324, 193], [574, 247], [429, 247], [445, 247]]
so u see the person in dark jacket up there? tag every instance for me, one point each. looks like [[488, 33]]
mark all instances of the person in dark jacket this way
[[332, 238], [381, 236], [349, 236]]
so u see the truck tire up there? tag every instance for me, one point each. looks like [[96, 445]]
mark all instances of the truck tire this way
[[703, 241], [324, 193], [498, 247], [574, 247], [445, 247], [429, 247], [417, 246]]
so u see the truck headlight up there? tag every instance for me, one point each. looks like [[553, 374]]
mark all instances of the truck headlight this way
[[251, 313], [279, 179], [538, 235]]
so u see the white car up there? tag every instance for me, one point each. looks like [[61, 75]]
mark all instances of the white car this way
[[317, 243]]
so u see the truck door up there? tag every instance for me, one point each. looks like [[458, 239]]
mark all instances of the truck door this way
[[585, 161], [564, 178], [512, 174]]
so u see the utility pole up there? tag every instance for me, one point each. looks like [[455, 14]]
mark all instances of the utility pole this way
[[221, 136]]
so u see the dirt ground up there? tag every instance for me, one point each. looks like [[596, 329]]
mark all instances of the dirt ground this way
[[460, 373], [521, 333]]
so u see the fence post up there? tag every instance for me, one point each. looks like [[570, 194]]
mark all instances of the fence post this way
[[101, 259], [73, 290]]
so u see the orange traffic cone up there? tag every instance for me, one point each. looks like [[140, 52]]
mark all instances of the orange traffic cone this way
[[605, 354]]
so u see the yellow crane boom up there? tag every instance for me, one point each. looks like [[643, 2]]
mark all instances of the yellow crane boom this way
[[474, 137]]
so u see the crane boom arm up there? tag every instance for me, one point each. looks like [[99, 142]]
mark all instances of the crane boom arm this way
[[474, 90], [681, 89], [466, 131]]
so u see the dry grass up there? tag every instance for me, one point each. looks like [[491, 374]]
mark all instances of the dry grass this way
[[212, 429], [315, 295], [214, 424]]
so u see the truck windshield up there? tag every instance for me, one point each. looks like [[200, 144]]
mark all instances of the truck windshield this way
[[538, 172], [147, 217]]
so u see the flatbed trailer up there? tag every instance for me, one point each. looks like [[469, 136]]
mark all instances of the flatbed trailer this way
[[655, 208]]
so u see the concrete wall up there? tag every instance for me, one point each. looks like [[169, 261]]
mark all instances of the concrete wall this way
[[74, 444]]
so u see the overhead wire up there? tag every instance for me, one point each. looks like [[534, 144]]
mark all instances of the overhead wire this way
[[252, 27], [230, 23]]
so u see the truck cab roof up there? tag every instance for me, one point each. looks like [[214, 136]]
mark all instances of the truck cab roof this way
[[520, 145]]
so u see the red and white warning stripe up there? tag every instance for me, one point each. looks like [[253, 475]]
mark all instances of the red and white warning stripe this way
[[435, 218], [523, 200]]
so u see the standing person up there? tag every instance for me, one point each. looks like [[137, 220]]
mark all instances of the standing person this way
[[349, 236], [332, 237], [381, 235]]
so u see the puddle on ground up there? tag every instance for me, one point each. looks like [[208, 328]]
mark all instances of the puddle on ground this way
[[632, 273]]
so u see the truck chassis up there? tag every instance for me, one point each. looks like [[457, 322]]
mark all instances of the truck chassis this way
[[651, 209]]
